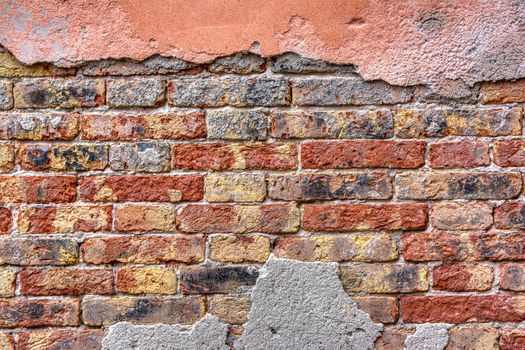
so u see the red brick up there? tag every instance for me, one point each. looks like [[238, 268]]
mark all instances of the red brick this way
[[38, 189], [463, 277], [70, 339], [459, 309], [6, 221], [139, 188], [145, 218], [121, 127], [364, 217], [509, 152], [66, 281], [510, 215], [65, 219], [143, 249], [380, 309], [512, 277], [512, 339], [462, 246], [503, 92], [393, 338], [461, 216], [459, 154], [230, 156], [39, 313], [362, 154], [473, 338], [223, 218]]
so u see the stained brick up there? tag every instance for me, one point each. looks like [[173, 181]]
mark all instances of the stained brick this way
[[230, 124], [340, 248], [216, 279], [39, 313], [135, 93], [221, 218], [63, 93], [70, 339], [510, 215], [512, 277], [459, 309], [143, 249], [384, 278], [461, 216], [240, 63], [380, 309], [145, 218], [459, 154], [293, 63], [59, 281], [491, 246], [340, 91], [329, 186], [122, 127], [39, 127], [7, 157], [458, 185], [473, 338], [233, 156], [463, 277], [152, 65], [373, 124], [62, 157], [6, 95], [393, 338], [512, 339], [240, 249], [503, 92], [509, 152], [21, 251], [364, 217], [65, 219], [414, 123], [6, 220], [147, 280], [235, 188], [38, 189], [140, 157], [362, 154], [107, 311]]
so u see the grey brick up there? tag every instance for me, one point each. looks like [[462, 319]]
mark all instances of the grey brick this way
[[135, 93], [6, 95], [237, 124], [293, 63], [140, 156], [152, 65], [241, 63]]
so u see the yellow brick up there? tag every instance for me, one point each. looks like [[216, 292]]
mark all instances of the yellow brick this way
[[7, 157], [232, 310], [7, 283], [147, 280], [10, 67], [145, 218], [239, 249], [235, 188]]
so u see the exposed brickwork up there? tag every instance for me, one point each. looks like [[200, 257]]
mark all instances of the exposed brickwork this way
[[154, 191]]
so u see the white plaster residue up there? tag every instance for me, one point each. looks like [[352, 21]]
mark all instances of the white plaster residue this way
[[428, 337]]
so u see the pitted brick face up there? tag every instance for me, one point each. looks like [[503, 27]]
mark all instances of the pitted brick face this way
[[221, 198]]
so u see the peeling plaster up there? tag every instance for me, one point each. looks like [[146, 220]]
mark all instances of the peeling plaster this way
[[446, 45]]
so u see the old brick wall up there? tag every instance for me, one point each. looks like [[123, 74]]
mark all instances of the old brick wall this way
[[154, 191]]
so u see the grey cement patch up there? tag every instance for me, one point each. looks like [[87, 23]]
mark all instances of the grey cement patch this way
[[298, 305], [428, 337], [207, 334]]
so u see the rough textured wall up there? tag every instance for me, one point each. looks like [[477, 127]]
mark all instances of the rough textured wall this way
[[156, 191]]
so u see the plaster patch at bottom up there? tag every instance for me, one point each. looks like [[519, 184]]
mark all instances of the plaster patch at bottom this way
[[298, 305], [428, 337], [207, 334]]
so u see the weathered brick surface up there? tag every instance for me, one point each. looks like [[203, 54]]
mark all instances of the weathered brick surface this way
[[393, 338], [235, 188], [124, 127], [479, 338], [235, 156], [135, 93], [59, 281], [39, 127], [145, 218], [145, 157], [38, 189], [217, 279], [220, 218], [7, 283], [512, 277], [232, 310], [6, 95], [510, 215], [364, 217], [141, 310], [38, 251], [63, 93], [384, 278], [380, 309], [459, 309], [367, 248], [7, 157], [61, 157], [330, 186], [512, 339], [39, 313], [86, 339], [243, 249], [458, 185], [509, 152], [147, 280], [459, 154], [452, 122], [503, 92], [143, 249], [152, 65], [334, 92], [462, 277], [65, 219], [10, 67], [461, 216], [138, 188], [293, 63], [240, 63], [237, 124], [6, 220], [362, 154], [375, 124]]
